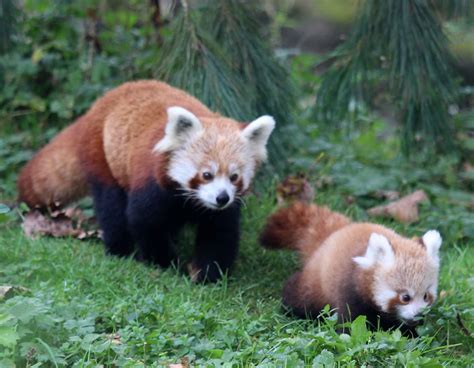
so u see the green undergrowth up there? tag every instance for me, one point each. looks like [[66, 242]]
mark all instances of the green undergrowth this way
[[73, 306], [66, 304], [78, 307]]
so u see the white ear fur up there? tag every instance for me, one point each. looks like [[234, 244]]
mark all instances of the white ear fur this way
[[432, 241], [257, 134], [182, 125], [378, 250]]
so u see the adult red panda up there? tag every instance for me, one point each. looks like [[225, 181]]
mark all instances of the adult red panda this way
[[154, 157], [356, 268]]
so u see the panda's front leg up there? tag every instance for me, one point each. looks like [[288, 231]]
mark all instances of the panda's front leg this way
[[217, 244], [154, 223]]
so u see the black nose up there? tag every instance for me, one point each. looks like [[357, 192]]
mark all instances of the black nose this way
[[222, 199]]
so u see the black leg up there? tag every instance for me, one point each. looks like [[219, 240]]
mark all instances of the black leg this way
[[217, 244], [110, 202], [154, 222]]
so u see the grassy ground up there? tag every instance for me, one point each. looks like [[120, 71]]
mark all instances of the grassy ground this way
[[83, 308], [73, 306]]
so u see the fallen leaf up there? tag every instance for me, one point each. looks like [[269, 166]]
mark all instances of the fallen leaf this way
[[90, 234], [36, 224], [68, 222], [114, 338], [404, 210], [294, 188], [7, 291], [4, 290]]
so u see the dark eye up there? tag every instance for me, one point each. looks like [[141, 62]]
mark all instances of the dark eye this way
[[207, 175], [426, 298], [405, 298], [234, 177]]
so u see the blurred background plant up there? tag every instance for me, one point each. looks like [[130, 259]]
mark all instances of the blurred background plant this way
[[393, 72], [57, 57], [402, 67], [362, 104]]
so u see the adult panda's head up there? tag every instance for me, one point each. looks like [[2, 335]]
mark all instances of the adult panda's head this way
[[213, 159]]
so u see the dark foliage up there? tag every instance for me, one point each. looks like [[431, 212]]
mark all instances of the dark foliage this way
[[401, 46], [217, 52]]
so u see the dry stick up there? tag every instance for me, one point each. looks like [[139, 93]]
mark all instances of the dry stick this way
[[462, 325]]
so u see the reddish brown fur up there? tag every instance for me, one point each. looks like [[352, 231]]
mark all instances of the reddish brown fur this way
[[392, 304], [195, 182], [39, 185], [327, 242], [112, 143], [285, 228]]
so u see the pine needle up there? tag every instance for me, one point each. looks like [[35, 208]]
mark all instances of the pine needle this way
[[401, 44], [216, 53], [8, 24]]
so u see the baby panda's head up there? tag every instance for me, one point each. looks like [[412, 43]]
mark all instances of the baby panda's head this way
[[213, 159], [405, 273]]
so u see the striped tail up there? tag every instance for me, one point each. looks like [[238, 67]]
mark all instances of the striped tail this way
[[54, 177], [288, 227]]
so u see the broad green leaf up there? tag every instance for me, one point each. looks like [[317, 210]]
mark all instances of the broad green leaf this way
[[8, 336]]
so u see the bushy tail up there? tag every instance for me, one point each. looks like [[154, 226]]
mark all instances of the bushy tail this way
[[289, 227], [54, 176]]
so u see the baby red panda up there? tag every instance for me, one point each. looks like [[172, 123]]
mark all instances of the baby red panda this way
[[356, 268], [153, 158]]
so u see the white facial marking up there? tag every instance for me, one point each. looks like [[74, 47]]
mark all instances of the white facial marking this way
[[378, 250], [213, 167], [182, 126], [208, 193], [412, 309], [181, 168], [248, 173], [383, 294], [233, 168], [432, 241]]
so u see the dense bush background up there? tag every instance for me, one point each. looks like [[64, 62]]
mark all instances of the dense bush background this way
[[72, 306]]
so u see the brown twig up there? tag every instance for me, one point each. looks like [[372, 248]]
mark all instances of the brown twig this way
[[463, 327]]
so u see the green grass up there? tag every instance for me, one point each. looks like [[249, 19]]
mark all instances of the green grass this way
[[84, 308]]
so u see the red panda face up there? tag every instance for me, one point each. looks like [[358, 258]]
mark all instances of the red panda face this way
[[405, 273], [213, 159], [216, 186]]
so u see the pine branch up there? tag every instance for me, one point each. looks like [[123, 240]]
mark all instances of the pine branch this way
[[402, 43], [216, 53], [453, 8], [8, 24], [235, 27], [268, 87], [193, 61]]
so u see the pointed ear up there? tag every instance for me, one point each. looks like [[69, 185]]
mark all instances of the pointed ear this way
[[432, 241], [378, 250], [182, 125], [257, 134]]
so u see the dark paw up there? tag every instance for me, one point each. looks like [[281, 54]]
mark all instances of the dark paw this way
[[205, 273], [120, 251]]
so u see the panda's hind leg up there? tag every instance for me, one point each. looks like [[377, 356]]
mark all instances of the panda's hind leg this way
[[110, 203]]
